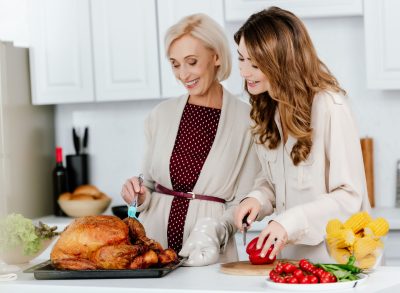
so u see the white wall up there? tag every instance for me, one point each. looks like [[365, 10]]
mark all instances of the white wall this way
[[14, 22], [116, 129], [115, 139]]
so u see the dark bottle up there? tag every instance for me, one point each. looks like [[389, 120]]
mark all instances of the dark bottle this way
[[59, 181]]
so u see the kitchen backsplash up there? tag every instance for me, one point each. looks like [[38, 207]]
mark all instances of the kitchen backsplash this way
[[116, 129]]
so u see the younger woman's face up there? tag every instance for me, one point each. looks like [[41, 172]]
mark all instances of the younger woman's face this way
[[255, 79], [193, 64]]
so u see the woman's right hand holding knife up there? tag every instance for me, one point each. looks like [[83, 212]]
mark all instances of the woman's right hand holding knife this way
[[274, 232]]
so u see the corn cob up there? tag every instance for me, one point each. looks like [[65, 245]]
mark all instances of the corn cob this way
[[377, 228], [341, 255], [366, 262], [358, 221], [341, 238], [364, 246], [360, 234], [333, 225]]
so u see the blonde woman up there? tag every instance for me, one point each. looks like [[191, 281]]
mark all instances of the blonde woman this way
[[199, 160], [306, 138]]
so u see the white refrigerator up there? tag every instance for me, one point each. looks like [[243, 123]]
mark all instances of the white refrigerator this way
[[26, 140]]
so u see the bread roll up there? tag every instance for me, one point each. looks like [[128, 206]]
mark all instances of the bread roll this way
[[65, 196], [88, 189], [81, 196], [102, 196]]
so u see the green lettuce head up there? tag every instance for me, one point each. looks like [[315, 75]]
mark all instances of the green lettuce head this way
[[15, 230]]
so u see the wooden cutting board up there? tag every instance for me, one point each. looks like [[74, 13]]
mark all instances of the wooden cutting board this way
[[245, 268]]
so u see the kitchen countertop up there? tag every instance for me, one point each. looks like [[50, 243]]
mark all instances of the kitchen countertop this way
[[184, 279]]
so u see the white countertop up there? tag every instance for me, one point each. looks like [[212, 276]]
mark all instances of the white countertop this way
[[184, 279]]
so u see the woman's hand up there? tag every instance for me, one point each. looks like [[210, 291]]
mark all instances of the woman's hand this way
[[277, 235], [131, 189], [249, 206]]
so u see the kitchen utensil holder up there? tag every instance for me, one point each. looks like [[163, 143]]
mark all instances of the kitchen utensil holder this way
[[78, 170]]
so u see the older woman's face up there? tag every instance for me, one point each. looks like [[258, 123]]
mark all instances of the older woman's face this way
[[193, 64], [257, 82]]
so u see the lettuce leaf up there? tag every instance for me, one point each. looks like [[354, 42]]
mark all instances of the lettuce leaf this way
[[15, 230]]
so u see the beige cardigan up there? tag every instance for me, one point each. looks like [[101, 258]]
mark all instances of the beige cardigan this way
[[329, 184], [228, 171]]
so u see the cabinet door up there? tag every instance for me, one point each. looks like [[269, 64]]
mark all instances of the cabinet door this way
[[169, 12], [125, 49], [382, 26], [60, 53]]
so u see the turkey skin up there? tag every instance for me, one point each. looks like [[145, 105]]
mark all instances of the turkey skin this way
[[107, 242]]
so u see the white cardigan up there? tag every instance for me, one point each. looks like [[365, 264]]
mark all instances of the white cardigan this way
[[228, 172], [329, 184]]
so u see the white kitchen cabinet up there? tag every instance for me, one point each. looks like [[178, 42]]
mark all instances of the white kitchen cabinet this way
[[169, 12], [125, 49], [382, 26], [60, 52], [240, 10], [99, 50]]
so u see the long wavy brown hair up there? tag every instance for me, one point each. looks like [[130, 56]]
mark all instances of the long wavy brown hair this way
[[279, 45]]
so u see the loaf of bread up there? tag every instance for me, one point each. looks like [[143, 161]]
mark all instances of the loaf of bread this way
[[84, 192], [88, 189], [65, 196], [82, 196]]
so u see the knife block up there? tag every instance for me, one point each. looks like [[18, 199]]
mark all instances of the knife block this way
[[77, 170]]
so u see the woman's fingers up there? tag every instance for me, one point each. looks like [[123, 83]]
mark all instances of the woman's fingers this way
[[127, 194], [278, 247], [277, 236], [264, 233], [142, 195], [135, 184], [241, 213], [131, 188], [252, 216], [249, 206], [270, 240]]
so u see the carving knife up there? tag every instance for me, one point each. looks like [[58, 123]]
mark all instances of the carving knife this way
[[245, 227]]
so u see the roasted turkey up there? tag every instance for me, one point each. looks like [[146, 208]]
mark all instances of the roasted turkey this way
[[106, 242]]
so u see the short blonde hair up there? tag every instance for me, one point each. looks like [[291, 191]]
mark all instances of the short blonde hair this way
[[204, 28]]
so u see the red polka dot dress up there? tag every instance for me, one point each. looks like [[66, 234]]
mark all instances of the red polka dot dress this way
[[193, 142]]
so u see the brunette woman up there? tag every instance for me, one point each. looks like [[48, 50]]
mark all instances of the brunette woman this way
[[306, 138]]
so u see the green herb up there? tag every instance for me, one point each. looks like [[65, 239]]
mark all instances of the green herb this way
[[343, 272], [44, 231], [15, 230]]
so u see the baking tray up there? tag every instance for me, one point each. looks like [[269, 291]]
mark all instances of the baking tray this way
[[46, 271]]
